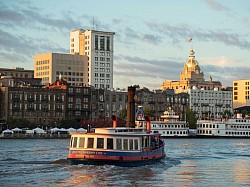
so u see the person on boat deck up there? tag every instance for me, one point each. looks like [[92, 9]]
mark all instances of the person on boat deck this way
[[153, 142]]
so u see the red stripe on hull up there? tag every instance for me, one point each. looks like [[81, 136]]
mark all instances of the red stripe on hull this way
[[141, 156]]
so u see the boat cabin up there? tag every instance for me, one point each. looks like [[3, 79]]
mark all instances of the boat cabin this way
[[115, 139]]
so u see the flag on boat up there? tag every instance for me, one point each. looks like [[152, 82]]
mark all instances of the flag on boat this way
[[190, 40]]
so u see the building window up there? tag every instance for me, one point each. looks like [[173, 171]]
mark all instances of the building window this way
[[102, 43], [108, 43], [96, 42]]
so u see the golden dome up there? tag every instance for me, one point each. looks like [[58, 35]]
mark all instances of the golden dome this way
[[191, 62]]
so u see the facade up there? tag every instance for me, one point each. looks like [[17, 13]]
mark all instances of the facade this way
[[78, 99], [106, 103], [45, 105], [241, 93], [191, 76], [37, 105], [160, 101], [19, 82], [16, 72], [99, 47], [54, 66], [210, 103]]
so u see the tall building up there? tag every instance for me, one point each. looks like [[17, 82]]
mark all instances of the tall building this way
[[99, 47], [191, 76], [241, 93], [54, 66]]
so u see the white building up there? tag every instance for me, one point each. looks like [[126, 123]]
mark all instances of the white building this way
[[54, 66], [210, 103], [99, 48]]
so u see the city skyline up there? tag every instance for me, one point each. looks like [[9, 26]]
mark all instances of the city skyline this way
[[151, 41]]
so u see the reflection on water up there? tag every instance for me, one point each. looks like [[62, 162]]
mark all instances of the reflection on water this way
[[189, 162], [241, 171]]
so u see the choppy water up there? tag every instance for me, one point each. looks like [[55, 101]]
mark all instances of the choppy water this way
[[189, 162]]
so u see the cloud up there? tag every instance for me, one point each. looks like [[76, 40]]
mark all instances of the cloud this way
[[184, 31], [216, 6], [150, 72], [129, 70], [29, 16], [21, 49]]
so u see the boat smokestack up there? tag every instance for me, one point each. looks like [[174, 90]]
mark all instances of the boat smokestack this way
[[131, 107], [147, 118], [114, 121]]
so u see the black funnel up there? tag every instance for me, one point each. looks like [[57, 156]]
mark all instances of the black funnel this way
[[131, 107]]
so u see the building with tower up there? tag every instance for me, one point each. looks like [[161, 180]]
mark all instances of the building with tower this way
[[190, 77], [99, 47]]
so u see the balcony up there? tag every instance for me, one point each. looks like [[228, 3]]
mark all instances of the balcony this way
[[16, 99], [30, 109], [30, 99], [16, 108]]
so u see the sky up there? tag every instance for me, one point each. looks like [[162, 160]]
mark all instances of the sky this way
[[151, 36]]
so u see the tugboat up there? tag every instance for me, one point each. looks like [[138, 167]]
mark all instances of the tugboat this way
[[123, 146]]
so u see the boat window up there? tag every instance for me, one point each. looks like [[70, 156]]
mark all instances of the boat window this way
[[90, 143], [136, 144], [71, 142], [100, 143], [125, 144], [81, 142], [110, 144], [131, 145], [74, 142], [118, 143], [145, 141]]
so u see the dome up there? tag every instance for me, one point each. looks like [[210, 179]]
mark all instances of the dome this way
[[191, 62]]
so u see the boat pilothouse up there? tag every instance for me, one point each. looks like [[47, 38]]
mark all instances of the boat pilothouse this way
[[169, 124], [233, 127], [124, 146]]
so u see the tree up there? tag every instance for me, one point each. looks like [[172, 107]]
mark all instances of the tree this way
[[244, 113], [123, 114], [148, 112], [227, 114], [18, 122], [191, 118], [67, 123]]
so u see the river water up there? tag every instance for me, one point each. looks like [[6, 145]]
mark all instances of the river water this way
[[189, 162]]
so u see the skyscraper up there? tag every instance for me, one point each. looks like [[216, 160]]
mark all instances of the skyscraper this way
[[99, 48]]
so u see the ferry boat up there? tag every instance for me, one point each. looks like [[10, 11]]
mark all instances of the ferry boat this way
[[123, 146], [168, 126], [235, 128]]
